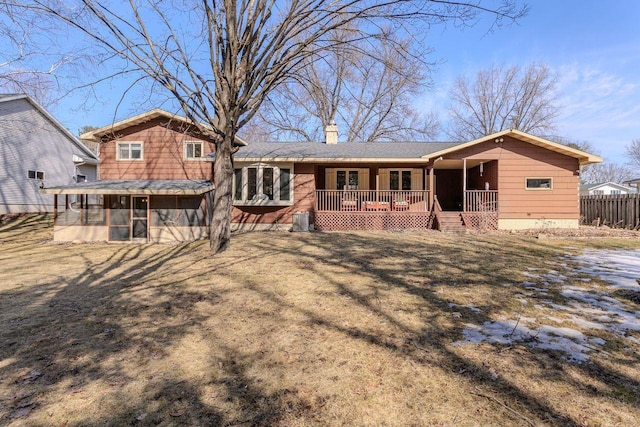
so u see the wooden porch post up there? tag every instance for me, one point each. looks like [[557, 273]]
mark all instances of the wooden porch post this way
[[55, 208], [464, 185], [431, 187]]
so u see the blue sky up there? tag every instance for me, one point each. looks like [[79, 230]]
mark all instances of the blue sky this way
[[594, 46]]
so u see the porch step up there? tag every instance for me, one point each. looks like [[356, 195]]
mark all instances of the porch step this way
[[451, 221]]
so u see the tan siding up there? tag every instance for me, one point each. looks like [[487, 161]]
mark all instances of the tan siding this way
[[416, 179], [163, 156], [363, 179], [519, 161], [384, 179], [330, 179]]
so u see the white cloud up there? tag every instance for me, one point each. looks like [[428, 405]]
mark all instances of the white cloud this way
[[599, 105]]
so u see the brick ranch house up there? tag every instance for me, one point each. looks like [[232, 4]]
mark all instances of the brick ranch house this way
[[155, 184]]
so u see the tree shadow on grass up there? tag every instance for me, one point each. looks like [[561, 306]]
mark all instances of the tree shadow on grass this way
[[432, 344], [121, 319], [89, 335]]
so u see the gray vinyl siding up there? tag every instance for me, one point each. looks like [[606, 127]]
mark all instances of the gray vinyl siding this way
[[30, 141]]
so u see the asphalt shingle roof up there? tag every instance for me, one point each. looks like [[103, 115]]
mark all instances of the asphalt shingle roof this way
[[343, 150], [135, 186]]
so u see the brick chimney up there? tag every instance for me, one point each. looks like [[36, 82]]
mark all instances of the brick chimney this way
[[331, 133]]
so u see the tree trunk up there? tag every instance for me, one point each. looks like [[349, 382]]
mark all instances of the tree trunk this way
[[220, 233]]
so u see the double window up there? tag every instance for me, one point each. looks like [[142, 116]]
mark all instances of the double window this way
[[263, 184], [33, 174], [192, 150], [400, 180], [347, 179], [129, 151]]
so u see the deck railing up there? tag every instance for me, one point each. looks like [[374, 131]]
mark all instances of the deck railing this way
[[372, 200], [481, 201]]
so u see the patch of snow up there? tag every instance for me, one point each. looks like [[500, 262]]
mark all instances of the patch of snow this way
[[621, 268], [585, 307], [566, 340]]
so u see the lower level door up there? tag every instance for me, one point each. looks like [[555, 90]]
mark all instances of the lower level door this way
[[140, 218]]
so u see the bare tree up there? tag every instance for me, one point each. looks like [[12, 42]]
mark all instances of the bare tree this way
[[598, 172], [633, 151], [605, 172], [499, 99], [219, 60], [24, 65], [366, 88]]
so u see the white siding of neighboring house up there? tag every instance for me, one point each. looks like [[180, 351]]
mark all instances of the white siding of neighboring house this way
[[30, 141], [608, 190]]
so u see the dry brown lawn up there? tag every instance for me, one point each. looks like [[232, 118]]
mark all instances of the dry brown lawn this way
[[291, 329]]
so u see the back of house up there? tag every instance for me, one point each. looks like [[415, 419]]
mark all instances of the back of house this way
[[156, 184]]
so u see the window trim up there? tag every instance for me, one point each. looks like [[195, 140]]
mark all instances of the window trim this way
[[37, 174], [129, 143], [260, 201], [193, 159], [527, 188]]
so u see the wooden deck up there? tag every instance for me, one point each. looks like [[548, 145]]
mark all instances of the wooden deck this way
[[389, 210]]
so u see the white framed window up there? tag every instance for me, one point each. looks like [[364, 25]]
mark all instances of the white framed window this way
[[263, 184], [129, 151], [615, 192], [193, 150], [34, 174], [539, 183]]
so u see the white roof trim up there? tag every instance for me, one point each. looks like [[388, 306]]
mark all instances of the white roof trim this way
[[584, 157], [139, 119]]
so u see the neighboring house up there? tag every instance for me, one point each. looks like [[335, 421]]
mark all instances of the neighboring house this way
[[156, 186], [37, 151], [605, 188], [633, 183]]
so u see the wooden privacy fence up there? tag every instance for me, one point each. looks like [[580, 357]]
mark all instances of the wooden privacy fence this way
[[618, 210]]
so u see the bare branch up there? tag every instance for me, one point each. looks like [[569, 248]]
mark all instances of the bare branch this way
[[502, 98]]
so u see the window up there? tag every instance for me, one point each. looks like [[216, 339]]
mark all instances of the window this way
[[32, 174], [615, 192], [400, 180], [539, 184], [193, 150], [262, 184], [347, 180], [129, 151]]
